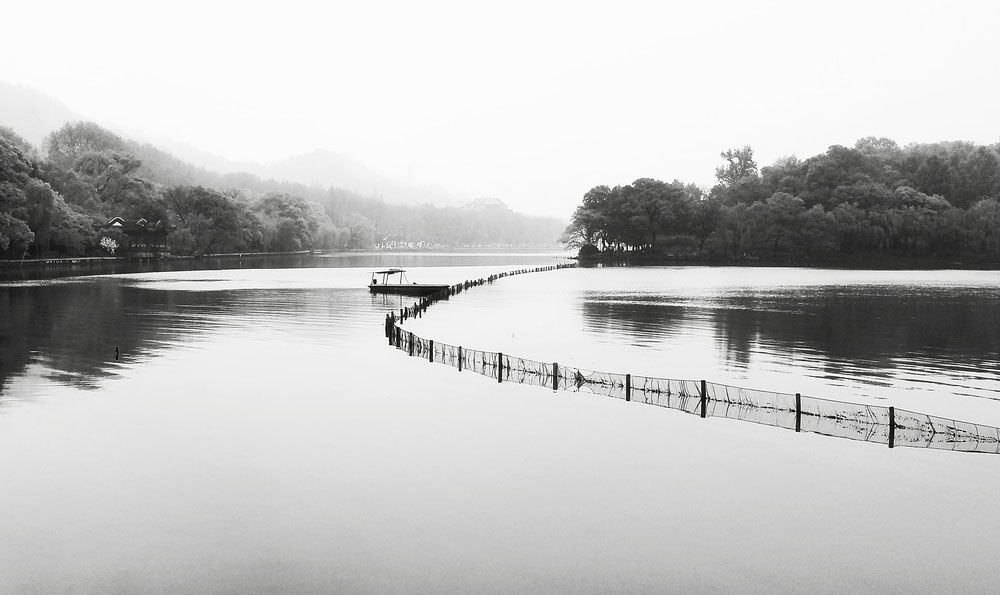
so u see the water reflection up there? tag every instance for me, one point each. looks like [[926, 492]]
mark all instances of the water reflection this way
[[31, 272], [946, 336], [253, 452], [66, 330], [72, 329], [69, 331]]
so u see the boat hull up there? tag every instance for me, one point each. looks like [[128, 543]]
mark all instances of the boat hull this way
[[414, 289]]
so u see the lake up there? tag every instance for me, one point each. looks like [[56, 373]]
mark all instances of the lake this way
[[924, 340], [256, 433]]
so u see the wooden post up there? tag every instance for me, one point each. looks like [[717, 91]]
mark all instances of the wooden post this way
[[499, 367], [411, 344], [892, 427], [704, 399], [399, 338], [628, 387], [430, 357], [459, 358], [798, 412], [555, 376]]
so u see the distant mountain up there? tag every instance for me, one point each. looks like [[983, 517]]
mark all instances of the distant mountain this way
[[32, 114], [319, 168], [205, 159], [327, 168]]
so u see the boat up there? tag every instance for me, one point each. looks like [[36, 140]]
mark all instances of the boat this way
[[394, 282]]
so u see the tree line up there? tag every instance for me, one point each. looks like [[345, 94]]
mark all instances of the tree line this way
[[873, 201], [54, 199]]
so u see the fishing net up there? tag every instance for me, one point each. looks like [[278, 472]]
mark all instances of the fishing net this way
[[405, 339], [925, 431], [853, 421], [526, 371], [446, 354], [481, 362], [821, 416], [421, 347], [598, 383], [757, 406], [683, 395]]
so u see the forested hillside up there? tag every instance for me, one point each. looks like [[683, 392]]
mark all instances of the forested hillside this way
[[53, 199], [874, 201]]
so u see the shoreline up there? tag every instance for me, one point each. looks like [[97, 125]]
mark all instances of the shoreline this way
[[147, 257], [37, 269], [887, 264], [56, 261]]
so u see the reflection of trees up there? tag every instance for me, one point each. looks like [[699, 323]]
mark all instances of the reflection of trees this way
[[868, 327], [115, 267], [73, 328], [639, 317], [735, 331], [875, 328]]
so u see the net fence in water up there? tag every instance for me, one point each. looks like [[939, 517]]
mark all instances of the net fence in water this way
[[853, 421], [480, 362], [926, 431], [683, 395], [422, 348], [757, 406], [587, 381], [446, 354], [526, 371]]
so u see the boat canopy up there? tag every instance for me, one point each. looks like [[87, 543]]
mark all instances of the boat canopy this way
[[403, 287]]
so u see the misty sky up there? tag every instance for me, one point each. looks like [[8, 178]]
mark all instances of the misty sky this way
[[530, 102]]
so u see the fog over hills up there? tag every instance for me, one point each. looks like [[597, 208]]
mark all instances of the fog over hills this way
[[34, 115], [320, 168], [53, 200]]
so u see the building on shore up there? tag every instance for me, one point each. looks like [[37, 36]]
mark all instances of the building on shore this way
[[141, 238], [488, 204]]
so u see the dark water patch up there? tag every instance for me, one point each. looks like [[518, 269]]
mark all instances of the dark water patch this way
[[876, 333]]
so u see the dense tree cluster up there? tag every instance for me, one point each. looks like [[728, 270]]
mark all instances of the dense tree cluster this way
[[875, 200], [53, 202]]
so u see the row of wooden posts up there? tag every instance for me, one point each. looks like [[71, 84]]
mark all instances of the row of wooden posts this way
[[703, 389], [421, 305], [394, 334]]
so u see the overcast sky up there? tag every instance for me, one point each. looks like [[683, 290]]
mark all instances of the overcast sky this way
[[530, 102]]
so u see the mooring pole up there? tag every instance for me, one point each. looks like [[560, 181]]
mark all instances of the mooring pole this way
[[555, 376], [892, 427], [459, 358], [798, 412], [499, 367], [430, 357], [628, 387], [704, 399]]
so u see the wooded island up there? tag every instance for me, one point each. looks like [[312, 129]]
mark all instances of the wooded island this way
[[872, 203]]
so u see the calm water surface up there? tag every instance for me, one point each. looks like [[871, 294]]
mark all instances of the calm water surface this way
[[924, 340], [256, 433]]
